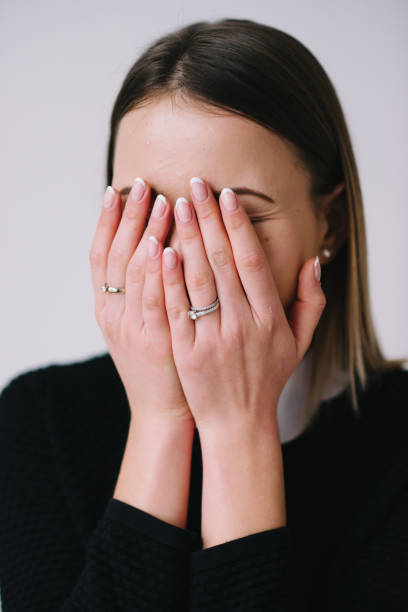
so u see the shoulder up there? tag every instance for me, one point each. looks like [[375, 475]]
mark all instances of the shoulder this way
[[391, 383], [71, 375], [384, 399], [373, 440], [74, 416], [377, 442], [61, 389]]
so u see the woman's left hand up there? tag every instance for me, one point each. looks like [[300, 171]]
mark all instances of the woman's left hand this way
[[233, 362]]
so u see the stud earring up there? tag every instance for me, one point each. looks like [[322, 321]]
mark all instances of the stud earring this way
[[326, 253]]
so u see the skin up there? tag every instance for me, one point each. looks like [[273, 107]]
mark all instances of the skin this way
[[167, 144], [226, 370]]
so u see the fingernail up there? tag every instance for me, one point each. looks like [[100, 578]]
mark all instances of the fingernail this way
[[159, 206], [317, 269], [199, 189], [153, 246], [109, 197], [183, 210], [138, 189], [170, 258], [228, 199]]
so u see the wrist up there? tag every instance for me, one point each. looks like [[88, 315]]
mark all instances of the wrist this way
[[243, 441], [152, 424], [252, 428], [243, 490], [155, 470]]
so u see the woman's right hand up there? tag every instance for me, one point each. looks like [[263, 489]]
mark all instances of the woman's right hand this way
[[135, 324]]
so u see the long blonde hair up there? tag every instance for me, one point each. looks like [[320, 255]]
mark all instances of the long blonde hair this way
[[345, 338]]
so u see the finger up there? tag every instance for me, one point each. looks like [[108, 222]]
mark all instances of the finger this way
[[98, 255], [126, 239], [198, 275], [158, 226], [218, 250], [250, 260], [308, 306], [154, 310], [176, 300]]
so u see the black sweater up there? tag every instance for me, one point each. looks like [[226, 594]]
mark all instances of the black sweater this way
[[67, 544]]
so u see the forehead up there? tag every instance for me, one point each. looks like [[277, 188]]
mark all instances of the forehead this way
[[176, 141]]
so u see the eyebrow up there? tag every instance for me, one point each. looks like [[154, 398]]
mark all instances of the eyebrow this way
[[238, 190]]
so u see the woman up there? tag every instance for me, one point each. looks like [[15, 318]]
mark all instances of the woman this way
[[241, 446]]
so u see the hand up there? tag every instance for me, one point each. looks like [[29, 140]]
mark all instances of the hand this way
[[135, 324], [234, 362]]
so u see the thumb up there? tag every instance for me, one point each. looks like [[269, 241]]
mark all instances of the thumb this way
[[308, 306]]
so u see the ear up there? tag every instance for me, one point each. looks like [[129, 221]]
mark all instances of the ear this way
[[334, 211]]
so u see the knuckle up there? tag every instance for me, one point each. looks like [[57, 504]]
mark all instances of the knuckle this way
[[236, 335], [170, 281], [252, 261], [174, 312], [152, 301], [96, 257], [117, 257], [220, 259], [189, 235], [131, 212], [153, 265], [210, 349], [135, 273], [105, 221], [208, 211], [236, 221], [200, 280]]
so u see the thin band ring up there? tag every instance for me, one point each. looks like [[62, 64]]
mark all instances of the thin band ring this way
[[107, 288], [195, 312]]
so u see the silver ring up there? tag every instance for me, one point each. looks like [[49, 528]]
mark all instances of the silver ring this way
[[195, 312], [107, 288]]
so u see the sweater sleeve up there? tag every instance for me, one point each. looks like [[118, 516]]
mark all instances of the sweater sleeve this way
[[131, 560], [255, 572]]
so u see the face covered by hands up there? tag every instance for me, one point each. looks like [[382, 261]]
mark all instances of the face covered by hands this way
[[259, 258]]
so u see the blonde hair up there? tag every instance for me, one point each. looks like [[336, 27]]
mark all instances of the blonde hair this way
[[345, 338]]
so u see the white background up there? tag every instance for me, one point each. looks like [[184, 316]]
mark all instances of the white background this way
[[62, 64]]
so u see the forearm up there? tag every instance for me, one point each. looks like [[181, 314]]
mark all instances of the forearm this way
[[155, 470], [243, 482]]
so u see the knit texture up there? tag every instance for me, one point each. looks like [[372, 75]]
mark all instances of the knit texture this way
[[67, 544]]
